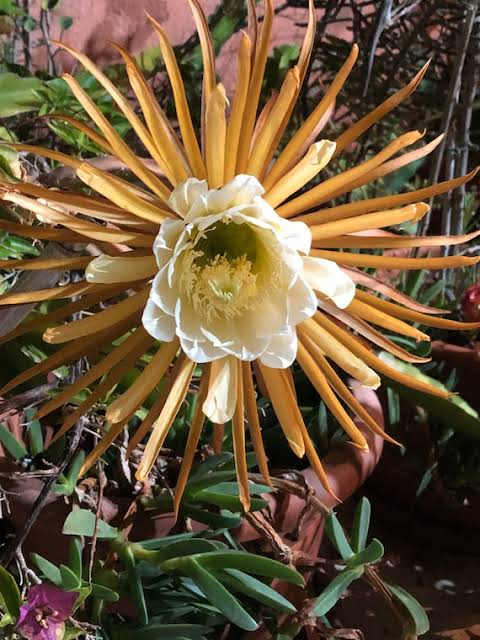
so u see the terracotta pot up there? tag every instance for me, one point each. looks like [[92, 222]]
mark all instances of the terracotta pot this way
[[347, 468], [466, 360]]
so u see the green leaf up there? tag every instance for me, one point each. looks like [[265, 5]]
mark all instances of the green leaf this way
[[72, 632], [370, 554], [337, 536], [361, 525], [259, 565], [81, 522], [65, 22], [223, 520], [254, 588], [216, 593], [104, 593], [227, 501], [134, 584], [159, 543], [184, 548], [207, 481], [49, 570], [35, 437], [70, 581], [17, 94], [11, 444], [332, 594], [9, 593], [419, 619], [156, 631], [453, 412], [75, 553], [29, 24]]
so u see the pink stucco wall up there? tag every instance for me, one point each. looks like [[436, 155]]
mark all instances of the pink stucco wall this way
[[95, 22]]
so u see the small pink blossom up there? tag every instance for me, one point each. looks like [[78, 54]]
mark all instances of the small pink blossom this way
[[43, 615]]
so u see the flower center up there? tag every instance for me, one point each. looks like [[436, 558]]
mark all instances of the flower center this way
[[42, 614], [221, 286]]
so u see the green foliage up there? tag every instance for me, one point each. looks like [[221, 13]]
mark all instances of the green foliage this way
[[81, 522], [453, 412], [10, 599], [358, 556], [17, 95]]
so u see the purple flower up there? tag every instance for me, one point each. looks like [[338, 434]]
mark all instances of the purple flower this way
[[43, 615]]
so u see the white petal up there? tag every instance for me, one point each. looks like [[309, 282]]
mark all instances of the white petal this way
[[219, 405], [281, 351], [295, 235], [162, 293], [327, 278], [157, 323], [166, 240], [186, 194], [201, 352], [302, 301], [241, 190]]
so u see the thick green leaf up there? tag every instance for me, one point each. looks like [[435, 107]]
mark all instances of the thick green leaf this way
[[337, 536], [370, 554], [223, 520], [361, 525], [453, 412], [81, 522], [17, 94], [158, 631], [75, 552], [254, 588], [11, 444], [35, 437], [209, 480], [104, 593], [216, 593], [135, 584], [226, 501], [49, 570], [331, 594], [419, 619], [184, 548], [289, 632], [10, 593], [70, 581], [249, 562], [159, 543]]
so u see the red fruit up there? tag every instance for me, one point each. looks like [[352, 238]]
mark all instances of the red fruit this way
[[471, 303]]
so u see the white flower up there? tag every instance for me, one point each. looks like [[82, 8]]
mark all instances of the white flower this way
[[234, 277]]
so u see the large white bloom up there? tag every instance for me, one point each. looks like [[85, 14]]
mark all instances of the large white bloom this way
[[234, 278]]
